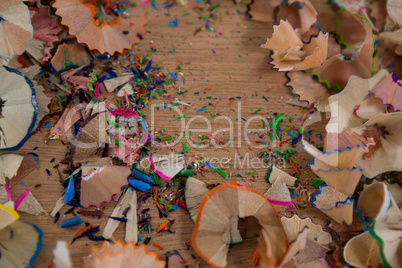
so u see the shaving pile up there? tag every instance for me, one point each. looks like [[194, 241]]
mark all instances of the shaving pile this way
[[76, 80]]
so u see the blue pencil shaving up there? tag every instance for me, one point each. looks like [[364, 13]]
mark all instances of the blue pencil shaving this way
[[148, 67], [154, 5], [210, 166], [294, 195], [173, 75], [144, 126], [47, 125]]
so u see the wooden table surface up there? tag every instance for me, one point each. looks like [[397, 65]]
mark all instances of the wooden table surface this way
[[224, 63]]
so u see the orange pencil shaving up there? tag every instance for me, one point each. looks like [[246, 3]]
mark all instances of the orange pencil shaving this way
[[163, 226], [83, 230], [230, 102], [155, 192], [222, 146], [300, 196], [158, 245], [256, 256], [294, 167]]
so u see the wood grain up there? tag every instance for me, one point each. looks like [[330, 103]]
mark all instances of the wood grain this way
[[225, 63]]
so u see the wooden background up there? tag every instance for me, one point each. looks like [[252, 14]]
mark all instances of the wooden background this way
[[236, 68]]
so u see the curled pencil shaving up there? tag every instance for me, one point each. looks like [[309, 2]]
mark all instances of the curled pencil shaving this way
[[379, 245], [122, 255], [217, 220], [309, 90], [99, 184], [335, 204], [94, 23], [300, 13], [290, 53], [44, 34], [357, 61]]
